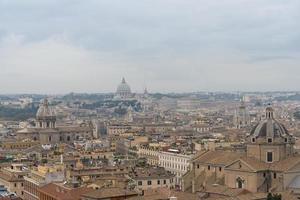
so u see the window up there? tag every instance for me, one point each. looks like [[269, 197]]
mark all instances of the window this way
[[253, 139], [270, 140], [198, 166], [48, 124], [208, 167], [240, 182], [274, 175], [158, 182], [269, 156], [15, 185], [149, 182], [165, 182], [140, 182], [264, 174], [50, 138], [285, 139], [220, 169]]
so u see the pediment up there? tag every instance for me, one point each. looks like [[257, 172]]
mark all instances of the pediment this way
[[240, 165]]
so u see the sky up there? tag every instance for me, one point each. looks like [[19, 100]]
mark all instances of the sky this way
[[62, 46]]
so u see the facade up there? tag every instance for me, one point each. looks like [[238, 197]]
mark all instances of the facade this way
[[177, 164], [47, 131], [150, 153], [18, 145], [117, 129]]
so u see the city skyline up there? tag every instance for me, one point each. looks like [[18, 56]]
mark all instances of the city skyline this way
[[167, 46]]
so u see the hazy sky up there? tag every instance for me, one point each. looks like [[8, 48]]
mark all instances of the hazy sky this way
[[58, 46]]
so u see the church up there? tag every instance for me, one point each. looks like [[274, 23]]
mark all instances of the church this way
[[46, 130], [268, 165], [123, 91]]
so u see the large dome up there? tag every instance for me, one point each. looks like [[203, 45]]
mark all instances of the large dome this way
[[269, 129], [45, 111], [123, 89]]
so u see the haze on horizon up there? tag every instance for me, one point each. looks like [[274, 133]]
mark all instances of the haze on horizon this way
[[61, 46]]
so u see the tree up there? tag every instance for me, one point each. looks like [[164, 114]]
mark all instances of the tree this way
[[274, 196]]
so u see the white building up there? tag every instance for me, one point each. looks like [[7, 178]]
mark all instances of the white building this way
[[151, 154], [176, 163]]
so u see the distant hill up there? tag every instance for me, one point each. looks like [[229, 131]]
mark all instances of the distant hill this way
[[17, 114]]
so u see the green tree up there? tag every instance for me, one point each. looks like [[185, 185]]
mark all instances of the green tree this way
[[274, 196]]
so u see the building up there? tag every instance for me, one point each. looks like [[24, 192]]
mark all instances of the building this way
[[150, 153], [152, 178], [241, 117], [17, 145], [54, 191], [123, 91], [12, 177], [269, 164], [175, 162], [47, 131], [117, 129], [40, 176]]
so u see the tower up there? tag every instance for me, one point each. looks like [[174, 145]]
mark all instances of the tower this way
[[241, 116]]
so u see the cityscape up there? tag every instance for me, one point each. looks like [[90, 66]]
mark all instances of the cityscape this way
[[149, 100]]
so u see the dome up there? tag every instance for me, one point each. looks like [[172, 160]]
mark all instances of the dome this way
[[269, 128], [45, 111], [123, 89]]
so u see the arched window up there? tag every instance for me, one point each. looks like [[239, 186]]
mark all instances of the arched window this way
[[240, 182]]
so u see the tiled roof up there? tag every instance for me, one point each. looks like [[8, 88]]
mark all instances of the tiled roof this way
[[60, 192], [109, 193], [286, 164], [218, 157]]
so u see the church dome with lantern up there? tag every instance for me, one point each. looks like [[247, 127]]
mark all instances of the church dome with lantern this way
[[123, 90], [45, 116], [269, 128], [269, 140]]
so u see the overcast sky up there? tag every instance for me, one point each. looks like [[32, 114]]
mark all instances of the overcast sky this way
[[61, 46]]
